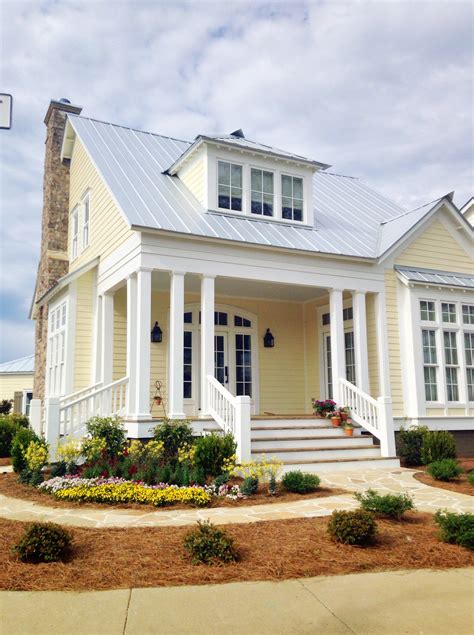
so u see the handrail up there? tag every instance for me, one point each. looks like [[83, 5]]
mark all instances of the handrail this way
[[79, 393]]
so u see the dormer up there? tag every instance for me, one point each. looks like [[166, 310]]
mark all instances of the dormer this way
[[232, 175]]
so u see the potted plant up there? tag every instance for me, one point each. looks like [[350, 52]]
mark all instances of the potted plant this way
[[323, 407], [344, 413], [336, 420], [157, 400], [348, 428]]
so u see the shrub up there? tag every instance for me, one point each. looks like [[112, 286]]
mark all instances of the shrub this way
[[69, 452], [352, 527], [409, 443], [470, 477], [438, 445], [208, 544], [7, 432], [393, 505], [444, 470], [222, 479], [36, 455], [18, 419], [174, 433], [456, 529], [43, 542], [58, 469], [212, 452], [300, 482], [5, 406], [110, 429], [249, 486], [22, 439]]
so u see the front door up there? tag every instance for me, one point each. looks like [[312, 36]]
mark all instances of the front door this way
[[221, 359]]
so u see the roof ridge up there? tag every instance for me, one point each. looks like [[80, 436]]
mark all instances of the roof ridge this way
[[342, 176]]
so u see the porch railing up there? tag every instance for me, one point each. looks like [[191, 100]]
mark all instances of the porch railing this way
[[80, 393], [232, 414], [375, 415]]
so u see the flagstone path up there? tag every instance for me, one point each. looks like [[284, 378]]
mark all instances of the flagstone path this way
[[427, 499]]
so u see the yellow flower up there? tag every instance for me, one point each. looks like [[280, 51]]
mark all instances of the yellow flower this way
[[36, 455], [69, 451]]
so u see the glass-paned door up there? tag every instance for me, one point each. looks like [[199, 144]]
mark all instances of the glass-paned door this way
[[328, 365], [221, 364], [188, 365], [243, 365]]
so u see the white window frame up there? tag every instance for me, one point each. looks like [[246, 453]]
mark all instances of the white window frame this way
[[244, 186], [262, 193], [292, 176], [57, 349], [324, 331], [86, 206], [75, 233]]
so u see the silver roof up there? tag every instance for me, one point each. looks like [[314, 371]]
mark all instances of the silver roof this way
[[432, 276], [21, 365], [350, 218]]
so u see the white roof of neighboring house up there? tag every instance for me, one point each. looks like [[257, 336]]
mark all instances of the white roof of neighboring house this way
[[350, 218], [23, 365]]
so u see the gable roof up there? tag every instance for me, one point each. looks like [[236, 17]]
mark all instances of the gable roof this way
[[23, 365], [350, 219]]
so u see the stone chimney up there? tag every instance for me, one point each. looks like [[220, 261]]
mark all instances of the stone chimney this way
[[53, 263]]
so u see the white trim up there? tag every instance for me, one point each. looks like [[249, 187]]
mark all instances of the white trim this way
[[175, 352]]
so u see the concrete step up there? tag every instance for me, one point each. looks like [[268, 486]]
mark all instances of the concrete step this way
[[308, 441], [354, 464], [266, 432], [296, 455], [281, 422]]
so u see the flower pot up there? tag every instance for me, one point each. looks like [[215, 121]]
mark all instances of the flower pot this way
[[348, 432], [344, 416], [158, 401], [336, 421]]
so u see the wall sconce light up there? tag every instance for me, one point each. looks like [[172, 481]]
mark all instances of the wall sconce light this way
[[156, 334], [268, 339]]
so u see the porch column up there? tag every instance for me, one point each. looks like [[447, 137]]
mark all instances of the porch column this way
[[97, 351], [142, 339], [338, 359], [131, 343], [107, 338], [360, 340], [175, 359], [382, 345], [207, 338]]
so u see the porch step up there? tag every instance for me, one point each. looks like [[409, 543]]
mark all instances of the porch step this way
[[266, 432], [315, 453], [356, 464], [309, 441]]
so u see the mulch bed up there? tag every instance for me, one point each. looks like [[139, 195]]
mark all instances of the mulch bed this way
[[460, 485], [5, 460], [9, 486], [273, 550]]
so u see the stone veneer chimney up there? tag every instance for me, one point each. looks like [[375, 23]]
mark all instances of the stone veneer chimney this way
[[53, 262]]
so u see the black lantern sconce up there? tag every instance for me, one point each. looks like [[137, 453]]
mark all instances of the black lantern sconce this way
[[156, 334], [268, 339]]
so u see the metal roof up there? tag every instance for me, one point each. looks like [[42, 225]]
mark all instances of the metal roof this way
[[350, 218], [432, 276], [23, 365]]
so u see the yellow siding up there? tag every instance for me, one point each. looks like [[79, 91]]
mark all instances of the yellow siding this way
[[457, 412], [194, 178], [372, 346], [436, 248], [434, 412], [312, 344], [107, 227], [84, 331], [393, 334], [11, 383], [120, 334]]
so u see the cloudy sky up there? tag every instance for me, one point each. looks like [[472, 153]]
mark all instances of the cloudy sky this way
[[381, 90]]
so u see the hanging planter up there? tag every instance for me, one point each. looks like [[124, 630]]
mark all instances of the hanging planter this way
[[158, 401]]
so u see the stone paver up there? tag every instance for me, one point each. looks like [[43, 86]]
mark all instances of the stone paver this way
[[384, 603], [383, 480]]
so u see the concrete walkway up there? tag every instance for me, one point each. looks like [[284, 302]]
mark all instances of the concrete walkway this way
[[390, 603], [383, 480]]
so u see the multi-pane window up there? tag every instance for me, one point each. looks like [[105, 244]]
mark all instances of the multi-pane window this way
[[448, 312], [85, 227], [188, 365], [469, 348], [57, 350], [429, 347], [229, 186], [75, 233], [451, 363], [430, 361], [261, 195], [431, 383], [329, 366], [292, 197], [243, 364], [427, 311], [241, 321], [468, 313], [350, 357]]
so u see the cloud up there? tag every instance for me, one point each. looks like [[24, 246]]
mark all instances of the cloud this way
[[381, 90]]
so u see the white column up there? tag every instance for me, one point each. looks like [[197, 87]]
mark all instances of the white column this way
[[175, 358], [35, 416], [52, 425], [107, 338], [131, 342], [338, 356], [360, 340], [142, 339], [382, 344], [207, 338], [97, 341]]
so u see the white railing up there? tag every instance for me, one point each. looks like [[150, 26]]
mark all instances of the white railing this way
[[79, 393], [232, 414], [107, 401], [375, 415]]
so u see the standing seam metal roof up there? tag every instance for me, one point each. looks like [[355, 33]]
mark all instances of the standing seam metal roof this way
[[432, 276], [22, 365]]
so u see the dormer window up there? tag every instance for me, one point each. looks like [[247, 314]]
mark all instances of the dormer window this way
[[262, 192], [292, 197], [229, 185]]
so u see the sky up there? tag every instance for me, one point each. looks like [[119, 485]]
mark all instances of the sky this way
[[381, 90]]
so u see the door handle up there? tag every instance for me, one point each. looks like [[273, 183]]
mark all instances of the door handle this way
[[226, 371]]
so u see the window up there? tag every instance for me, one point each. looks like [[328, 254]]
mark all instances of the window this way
[[326, 319], [85, 228], [57, 350], [469, 348], [188, 317], [292, 197], [240, 321], [451, 362], [350, 358], [75, 233], [427, 311], [468, 313], [448, 312], [229, 185], [347, 314], [188, 365], [430, 368], [329, 366], [431, 383], [220, 319], [261, 199], [243, 365]]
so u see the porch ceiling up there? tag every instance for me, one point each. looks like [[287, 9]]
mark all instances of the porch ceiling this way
[[243, 288]]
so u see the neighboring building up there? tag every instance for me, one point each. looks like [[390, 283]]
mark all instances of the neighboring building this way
[[270, 279], [467, 210], [16, 382]]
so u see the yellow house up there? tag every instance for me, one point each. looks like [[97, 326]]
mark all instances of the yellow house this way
[[16, 383], [244, 281]]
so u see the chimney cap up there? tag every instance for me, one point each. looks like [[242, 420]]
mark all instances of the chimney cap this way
[[238, 133], [62, 104], [64, 100]]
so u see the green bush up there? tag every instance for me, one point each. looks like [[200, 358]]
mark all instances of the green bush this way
[[43, 542], [5, 406], [209, 545], [393, 505], [9, 424], [59, 469], [18, 419], [470, 477], [438, 445], [212, 451], [410, 441], [174, 433], [22, 439], [444, 470], [456, 529], [353, 527], [300, 482], [111, 430], [249, 486]]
